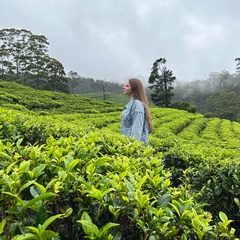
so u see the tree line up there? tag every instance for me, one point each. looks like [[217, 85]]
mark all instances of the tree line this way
[[218, 95], [81, 85]]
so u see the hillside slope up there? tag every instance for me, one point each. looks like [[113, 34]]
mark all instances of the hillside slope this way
[[16, 96]]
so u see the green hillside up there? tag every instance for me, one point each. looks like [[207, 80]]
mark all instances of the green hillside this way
[[109, 96], [15, 96], [67, 172]]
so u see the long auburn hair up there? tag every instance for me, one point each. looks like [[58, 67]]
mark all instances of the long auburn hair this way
[[138, 92]]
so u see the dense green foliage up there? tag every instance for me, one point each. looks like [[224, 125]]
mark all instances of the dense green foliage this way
[[67, 173]]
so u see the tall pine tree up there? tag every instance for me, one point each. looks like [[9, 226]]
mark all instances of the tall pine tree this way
[[161, 81]]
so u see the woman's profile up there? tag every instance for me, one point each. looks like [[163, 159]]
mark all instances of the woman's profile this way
[[136, 119]]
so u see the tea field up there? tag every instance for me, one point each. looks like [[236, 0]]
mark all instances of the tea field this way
[[67, 173]]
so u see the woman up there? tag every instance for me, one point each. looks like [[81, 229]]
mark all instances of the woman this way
[[136, 120]]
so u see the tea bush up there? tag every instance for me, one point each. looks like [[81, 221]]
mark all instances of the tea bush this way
[[67, 173], [99, 186]]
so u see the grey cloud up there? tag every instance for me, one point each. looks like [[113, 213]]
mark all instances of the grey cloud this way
[[115, 39]]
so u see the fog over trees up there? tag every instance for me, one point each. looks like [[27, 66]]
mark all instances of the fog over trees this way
[[217, 96]]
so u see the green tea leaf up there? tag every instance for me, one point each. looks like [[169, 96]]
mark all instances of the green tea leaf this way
[[41, 215], [104, 229], [48, 234], [24, 166], [2, 224], [164, 200], [38, 198], [39, 170], [19, 200], [27, 236], [5, 155], [43, 227], [26, 185], [89, 227], [223, 216], [140, 183]]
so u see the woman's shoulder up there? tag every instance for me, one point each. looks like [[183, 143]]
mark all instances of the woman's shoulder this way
[[138, 104], [136, 101]]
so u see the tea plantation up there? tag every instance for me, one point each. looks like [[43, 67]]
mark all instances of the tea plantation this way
[[67, 173]]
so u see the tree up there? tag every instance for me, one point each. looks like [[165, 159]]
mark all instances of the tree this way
[[184, 106], [13, 48], [161, 81], [24, 58], [56, 77], [73, 78]]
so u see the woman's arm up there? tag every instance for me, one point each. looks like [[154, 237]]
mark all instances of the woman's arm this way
[[138, 119]]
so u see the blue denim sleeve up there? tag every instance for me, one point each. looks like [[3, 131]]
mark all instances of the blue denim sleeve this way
[[138, 120]]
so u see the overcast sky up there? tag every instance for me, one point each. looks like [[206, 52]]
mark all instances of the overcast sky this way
[[118, 39]]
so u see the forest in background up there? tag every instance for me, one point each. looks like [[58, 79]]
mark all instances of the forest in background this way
[[216, 96]]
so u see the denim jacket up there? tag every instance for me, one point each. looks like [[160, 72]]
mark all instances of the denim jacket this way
[[134, 122]]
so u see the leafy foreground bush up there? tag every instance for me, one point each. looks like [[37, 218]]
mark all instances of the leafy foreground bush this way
[[98, 186], [211, 172]]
